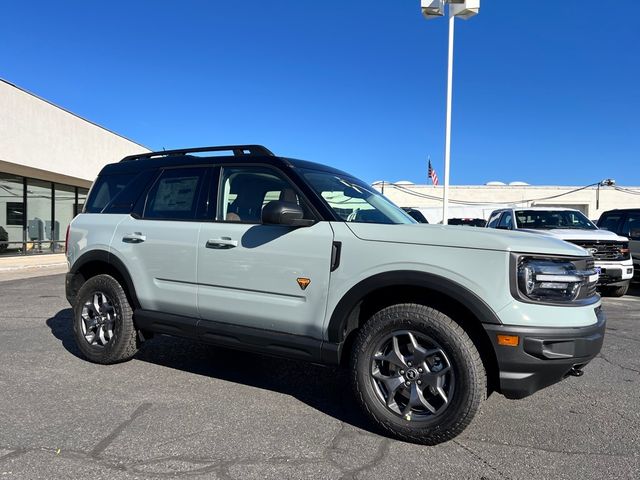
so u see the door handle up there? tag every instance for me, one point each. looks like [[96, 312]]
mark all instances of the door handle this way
[[221, 243], [135, 237]]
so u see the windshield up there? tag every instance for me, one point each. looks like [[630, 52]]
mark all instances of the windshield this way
[[551, 219], [355, 201]]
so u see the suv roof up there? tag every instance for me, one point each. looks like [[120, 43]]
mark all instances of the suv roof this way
[[540, 209], [239, 153], [617, 210]]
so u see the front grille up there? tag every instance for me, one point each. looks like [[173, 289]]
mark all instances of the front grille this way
[[604, 249]]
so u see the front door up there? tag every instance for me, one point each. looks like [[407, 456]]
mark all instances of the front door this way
[[269, 277]]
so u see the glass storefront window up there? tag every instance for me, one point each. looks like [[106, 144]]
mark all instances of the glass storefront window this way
[[38, 225], [65, 207], [11, 214], [40, 229]]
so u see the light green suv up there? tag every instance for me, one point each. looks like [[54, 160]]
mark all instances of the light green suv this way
[[286, 257]]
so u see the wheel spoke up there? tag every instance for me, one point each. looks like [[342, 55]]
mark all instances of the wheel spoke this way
[[101, 334], [394, 356], [90, 337], [96, 303]]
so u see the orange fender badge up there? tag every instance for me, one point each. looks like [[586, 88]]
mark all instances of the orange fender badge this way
[[304, 282]]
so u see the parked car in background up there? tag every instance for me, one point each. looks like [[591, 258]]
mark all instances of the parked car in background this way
[[610, 251], [416, 214], [625, 222], [472, 222]]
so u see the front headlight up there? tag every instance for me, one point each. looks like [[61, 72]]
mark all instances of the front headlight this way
[[555, 280]]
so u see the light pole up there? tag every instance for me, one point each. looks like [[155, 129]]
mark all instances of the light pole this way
[[457, 8]]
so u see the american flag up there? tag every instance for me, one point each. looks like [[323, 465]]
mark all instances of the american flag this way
[[432, 174]]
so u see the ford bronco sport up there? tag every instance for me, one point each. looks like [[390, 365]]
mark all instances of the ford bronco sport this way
[[286, 257]]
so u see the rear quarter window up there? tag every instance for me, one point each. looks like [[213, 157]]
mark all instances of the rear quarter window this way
[[105, 189]]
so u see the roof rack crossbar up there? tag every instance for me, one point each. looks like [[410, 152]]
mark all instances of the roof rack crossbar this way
[[238, 151]]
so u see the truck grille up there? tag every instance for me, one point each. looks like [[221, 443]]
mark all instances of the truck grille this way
[[604, 249]]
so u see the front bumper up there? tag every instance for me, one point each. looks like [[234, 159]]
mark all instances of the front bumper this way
[[544, 355], [615, 273]]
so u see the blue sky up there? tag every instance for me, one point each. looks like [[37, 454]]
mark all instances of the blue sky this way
[[547, 97]]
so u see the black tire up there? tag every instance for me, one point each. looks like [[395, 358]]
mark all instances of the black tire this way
[[614, 291], [469, 382], [123, 343]]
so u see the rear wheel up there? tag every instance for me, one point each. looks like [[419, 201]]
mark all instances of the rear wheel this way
[[103, 321], [417, 373]]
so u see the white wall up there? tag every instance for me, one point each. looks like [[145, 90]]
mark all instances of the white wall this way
[[37, 134], [487, 198]]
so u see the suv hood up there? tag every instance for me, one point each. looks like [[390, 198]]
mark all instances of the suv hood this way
[[465, 237], [572, 234]]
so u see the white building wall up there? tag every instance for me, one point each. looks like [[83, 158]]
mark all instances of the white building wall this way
[[39, 135], [479, 200]]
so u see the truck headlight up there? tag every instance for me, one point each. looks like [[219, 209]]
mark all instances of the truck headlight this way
[[555, 280]]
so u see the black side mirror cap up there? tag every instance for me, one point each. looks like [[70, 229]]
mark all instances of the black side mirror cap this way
[[278, 212]]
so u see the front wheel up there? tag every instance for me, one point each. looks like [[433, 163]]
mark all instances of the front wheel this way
[[615, 291], [103, 321], [417, 374]]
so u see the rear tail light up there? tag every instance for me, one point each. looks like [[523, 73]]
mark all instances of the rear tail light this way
[[66, 240]]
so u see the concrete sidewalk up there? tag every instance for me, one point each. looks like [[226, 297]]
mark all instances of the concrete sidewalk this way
[[14, 268]]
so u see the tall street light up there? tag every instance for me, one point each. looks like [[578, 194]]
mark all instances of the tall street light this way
[[457, 8]]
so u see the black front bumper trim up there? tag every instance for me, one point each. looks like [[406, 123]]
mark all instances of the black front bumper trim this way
[[544, 355]]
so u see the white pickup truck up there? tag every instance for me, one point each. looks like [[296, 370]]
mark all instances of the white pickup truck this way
[[610, 251]]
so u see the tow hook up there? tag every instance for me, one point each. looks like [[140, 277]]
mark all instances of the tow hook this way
[[576, 372]]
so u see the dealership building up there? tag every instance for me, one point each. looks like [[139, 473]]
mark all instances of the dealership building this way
[[48, 159], [478, 201]]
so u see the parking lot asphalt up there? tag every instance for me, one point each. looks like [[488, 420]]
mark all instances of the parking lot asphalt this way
[[183, 409]]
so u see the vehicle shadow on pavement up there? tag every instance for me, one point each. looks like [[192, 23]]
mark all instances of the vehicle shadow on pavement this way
[[323, 388]]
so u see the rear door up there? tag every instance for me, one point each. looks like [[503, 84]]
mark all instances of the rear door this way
[[159, 249], [269, 277]]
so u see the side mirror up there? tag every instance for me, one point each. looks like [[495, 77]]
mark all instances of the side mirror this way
[[284, 213]]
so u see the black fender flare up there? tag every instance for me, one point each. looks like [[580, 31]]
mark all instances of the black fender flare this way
[[406, 278], [104, 257]]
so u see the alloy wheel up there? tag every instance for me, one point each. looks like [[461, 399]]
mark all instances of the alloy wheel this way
[[98, 319], [412, 375]]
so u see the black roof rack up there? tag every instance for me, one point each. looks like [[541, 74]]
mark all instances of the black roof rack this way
[[238, 151]]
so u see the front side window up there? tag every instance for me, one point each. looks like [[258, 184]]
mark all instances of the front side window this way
[[553, 219], [245, 190], [175, 194], [493, 221], [355, 201], [505, 221]]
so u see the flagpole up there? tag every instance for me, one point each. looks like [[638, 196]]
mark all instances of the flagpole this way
[[447, 136]]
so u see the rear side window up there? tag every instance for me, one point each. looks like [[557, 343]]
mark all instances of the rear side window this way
[[631, 227], [610, 222], [175, 194], [105, 189]]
